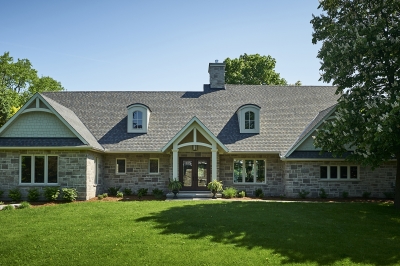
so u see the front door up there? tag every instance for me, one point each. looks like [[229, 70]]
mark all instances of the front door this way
[[194, 173]]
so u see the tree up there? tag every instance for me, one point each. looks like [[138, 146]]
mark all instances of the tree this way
[[18, 82], [360, 55], [252, 70]]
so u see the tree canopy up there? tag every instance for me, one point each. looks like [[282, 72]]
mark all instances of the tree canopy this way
[[18, 82], [360, 55], [252, 70]]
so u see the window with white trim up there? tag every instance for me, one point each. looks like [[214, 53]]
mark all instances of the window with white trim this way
[[249, 118], [153, 166], [39, 169], [249, 171], [339, 172], [138, 118], [120, 166]]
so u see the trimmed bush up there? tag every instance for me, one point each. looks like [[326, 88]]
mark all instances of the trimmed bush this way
[[120, 194], [158, 193], [112, 191], [389, 194], [8, 208], [345, 194], [303, 194], [366, 195], [33, 194], [127, 191], [322, 194], [142, 192], [15, 194], [229, 192], [241, 194], [24, 205], [259, 193], [69, 194], [51, 193], [100, 197]]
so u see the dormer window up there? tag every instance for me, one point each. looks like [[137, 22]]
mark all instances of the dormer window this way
[[249, 118], [138, 118]]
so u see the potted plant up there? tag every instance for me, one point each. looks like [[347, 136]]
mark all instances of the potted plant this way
[[175, 186], [215, 187]]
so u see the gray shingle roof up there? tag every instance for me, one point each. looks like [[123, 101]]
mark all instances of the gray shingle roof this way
[[285, 112]]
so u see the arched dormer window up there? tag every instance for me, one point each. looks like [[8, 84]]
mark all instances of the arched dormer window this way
[[138, 118], [249, 118]]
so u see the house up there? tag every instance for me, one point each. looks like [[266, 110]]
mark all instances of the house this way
[[246, 136]]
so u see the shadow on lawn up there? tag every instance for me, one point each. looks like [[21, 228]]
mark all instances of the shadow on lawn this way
[[301, 233]]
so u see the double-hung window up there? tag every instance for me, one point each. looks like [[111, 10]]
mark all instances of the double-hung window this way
[[39, 169], [249, 171], [120, 166], [153, 166]]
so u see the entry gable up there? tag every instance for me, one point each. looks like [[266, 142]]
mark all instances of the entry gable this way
[[195, 133]]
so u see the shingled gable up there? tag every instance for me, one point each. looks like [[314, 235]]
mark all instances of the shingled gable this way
[[310, 129], [40, 103], [195, 123]]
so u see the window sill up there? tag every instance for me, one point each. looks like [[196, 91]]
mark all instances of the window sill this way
[[38, 184], [340, 180], [120, 173], [237, 183], [154, 173]]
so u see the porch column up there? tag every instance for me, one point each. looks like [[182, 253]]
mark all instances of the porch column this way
[[175, 165], [214, 164]]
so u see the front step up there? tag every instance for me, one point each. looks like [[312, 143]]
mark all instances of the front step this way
[[193, 194]]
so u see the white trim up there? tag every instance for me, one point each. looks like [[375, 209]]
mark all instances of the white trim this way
[[158, 166], [337, 178], [293, 148], [241, 112], [244, 171], [145, 118], [46, 169], [116, 166]]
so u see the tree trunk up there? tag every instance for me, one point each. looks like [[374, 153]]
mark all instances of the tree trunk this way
[[397, 185]]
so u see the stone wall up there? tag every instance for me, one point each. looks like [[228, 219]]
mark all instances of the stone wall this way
[[94, 175], [274, 174], [306, 176], [137, 172], [71, 171]]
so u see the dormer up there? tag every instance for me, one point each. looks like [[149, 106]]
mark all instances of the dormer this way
[[138, 118], [249, 118]]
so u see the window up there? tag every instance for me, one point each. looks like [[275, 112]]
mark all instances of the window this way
[[137, 119], [342, 172], [248, 171], [39, 169], [121, 166], [153, 166], [249, 118]]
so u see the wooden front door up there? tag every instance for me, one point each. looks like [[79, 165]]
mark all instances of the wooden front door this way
[[194, 173]]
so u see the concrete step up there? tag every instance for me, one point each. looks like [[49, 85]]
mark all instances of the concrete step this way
[[193, 194]]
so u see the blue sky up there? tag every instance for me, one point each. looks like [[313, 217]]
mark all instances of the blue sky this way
[[156, 45]]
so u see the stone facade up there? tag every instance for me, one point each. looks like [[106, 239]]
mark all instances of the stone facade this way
[[274, 174], [72, 172], [137, 172], [306, 176]]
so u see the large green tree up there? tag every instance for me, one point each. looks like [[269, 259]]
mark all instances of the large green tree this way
[[360, 55], [252, 69], [18, 82]]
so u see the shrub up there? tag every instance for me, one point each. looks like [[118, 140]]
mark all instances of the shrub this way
[[229, 192], [366, 195], [1, 193], [15, 194], [120, 194], [100, 196], [259, 193], [1, 203], [51, 193], [69, 194], [33, 194], [158, 193], [322, 194], [389, 195], [241, 194], [8, 208], [142, 192], [105, 195], [215, 186], [24, 205], [112, 191], [127, 191], [345, 194], [303, 194]]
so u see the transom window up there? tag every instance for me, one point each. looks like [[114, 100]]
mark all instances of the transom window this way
[[121, 166], [39, 169], [249, 120], [249, 171], [342, 172], [137, 120]]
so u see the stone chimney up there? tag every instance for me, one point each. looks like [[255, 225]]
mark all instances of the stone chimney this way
[[217, 75]]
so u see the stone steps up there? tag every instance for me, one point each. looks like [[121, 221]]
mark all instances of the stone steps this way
[[193, 195]]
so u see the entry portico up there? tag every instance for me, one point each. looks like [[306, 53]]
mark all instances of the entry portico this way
[[195, 134]]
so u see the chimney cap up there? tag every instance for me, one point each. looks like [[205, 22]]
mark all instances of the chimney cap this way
[[216, 60]]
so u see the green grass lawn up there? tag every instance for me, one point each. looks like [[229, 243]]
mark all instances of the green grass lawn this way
[[201, 233]]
